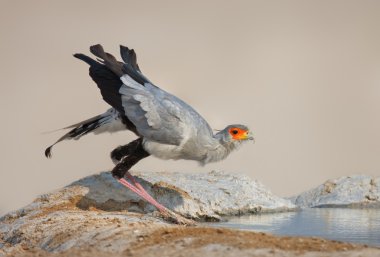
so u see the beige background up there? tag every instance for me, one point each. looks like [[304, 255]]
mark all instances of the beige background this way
[[304, 75]]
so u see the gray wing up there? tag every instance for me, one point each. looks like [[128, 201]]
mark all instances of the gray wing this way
[[158, 115]]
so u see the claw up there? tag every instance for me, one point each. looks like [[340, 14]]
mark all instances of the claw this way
[[176, 218]]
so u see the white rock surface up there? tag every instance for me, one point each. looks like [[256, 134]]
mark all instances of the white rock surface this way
[[99, 207], [201, 196], [350, 191], [90, 218], [53, 224]]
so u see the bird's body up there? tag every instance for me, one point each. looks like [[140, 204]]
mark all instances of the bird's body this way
[[171, 129], [166, 126]]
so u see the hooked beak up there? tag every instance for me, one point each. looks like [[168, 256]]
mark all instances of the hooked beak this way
[[249, 136]]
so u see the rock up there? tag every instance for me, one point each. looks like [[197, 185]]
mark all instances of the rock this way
[[68, 231], [199, 196], [99, 201], [357, 191], [63, 227], [90, 217]]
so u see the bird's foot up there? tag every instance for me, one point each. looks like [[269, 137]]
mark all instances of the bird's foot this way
[[165, 213], [173, 217]]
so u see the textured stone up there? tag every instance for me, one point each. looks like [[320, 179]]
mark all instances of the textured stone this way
[[350, 191], [98, 206], [194, 195], [90, 217]]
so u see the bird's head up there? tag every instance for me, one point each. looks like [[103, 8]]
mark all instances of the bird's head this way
[[235, 134]]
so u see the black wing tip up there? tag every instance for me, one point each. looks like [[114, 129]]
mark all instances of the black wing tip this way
[[131, 67], [96, 46], [108, 59], [126, 48], [79, 56], [97, 50], [128, 55], [48, 152], [86, 59]]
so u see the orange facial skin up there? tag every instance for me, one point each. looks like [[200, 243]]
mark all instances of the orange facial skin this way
[[238, 133]]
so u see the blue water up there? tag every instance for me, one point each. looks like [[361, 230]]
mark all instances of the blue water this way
[[348, 225]]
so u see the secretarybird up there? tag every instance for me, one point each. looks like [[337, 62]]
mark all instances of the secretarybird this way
[[166, 127]]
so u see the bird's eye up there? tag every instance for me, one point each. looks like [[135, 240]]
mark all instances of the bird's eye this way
[[234, 131]]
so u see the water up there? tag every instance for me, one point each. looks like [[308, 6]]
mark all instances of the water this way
[[348, 225]]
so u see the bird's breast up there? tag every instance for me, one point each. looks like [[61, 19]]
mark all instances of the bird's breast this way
[[188, 150]]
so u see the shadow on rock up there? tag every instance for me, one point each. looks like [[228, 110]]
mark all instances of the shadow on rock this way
[[105, 193]]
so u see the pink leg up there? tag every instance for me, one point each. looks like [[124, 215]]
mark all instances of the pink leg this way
[[167, 214], [144, 194], [142, 190]]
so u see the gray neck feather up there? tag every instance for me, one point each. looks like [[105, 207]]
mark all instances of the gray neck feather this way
[[222, 146]]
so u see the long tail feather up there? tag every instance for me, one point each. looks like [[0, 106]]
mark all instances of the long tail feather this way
[[79, 129], [106, 122]]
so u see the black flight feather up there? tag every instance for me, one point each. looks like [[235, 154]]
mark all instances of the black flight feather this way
[[109, 84]]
